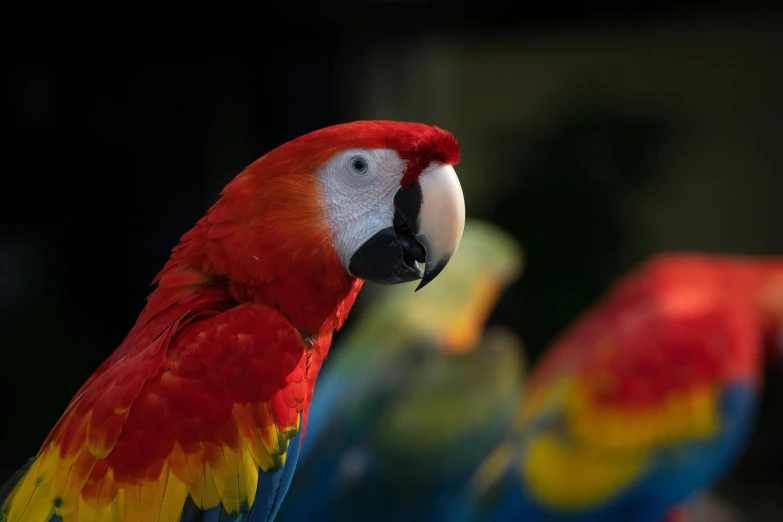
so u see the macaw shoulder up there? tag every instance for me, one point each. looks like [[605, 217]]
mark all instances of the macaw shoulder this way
[[242, 369]]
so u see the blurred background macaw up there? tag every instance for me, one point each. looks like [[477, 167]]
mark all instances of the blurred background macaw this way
[[412, 399], [644, 402]]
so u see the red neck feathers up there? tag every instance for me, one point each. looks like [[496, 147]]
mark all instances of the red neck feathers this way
[[266, 240]]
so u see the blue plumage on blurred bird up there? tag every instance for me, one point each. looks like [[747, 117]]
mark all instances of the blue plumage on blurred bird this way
[[415, 396]]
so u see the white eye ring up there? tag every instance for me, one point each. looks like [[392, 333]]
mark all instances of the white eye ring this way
[[359, 165]]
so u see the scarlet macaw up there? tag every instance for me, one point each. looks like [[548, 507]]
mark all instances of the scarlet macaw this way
[[200, 413]]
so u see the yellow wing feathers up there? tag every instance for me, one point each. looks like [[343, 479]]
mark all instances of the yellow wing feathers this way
[[84, 487]]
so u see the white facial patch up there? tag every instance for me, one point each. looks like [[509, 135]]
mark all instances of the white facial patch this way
[[358, 186]]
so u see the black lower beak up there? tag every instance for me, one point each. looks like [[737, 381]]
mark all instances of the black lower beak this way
[[390, 256], [383, 259]]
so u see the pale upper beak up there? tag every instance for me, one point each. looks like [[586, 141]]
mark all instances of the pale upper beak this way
[[428, 224], [441, 219]]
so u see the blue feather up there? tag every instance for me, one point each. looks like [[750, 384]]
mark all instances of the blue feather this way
[[272, 487]]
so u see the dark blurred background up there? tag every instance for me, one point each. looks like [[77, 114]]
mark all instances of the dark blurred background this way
[[596, 135]]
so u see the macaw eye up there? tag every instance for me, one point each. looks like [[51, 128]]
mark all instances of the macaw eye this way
[[359, 165]]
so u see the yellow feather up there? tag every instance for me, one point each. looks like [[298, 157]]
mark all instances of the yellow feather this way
[[180, 465], [33, 497], [249, 474], [108, 492], [174, 499], [118, 506], [268, 436], [159, 501], [68, 481], [43, 468], [235, 481], [141, 499], [196, 466], [34, 506], [87, 512], [95, 442], [271, 445], [260, 456], [20, 497], [226, 480], [204, 491]]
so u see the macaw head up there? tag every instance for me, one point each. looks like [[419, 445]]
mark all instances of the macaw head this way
[[392, 199], [305, 223]]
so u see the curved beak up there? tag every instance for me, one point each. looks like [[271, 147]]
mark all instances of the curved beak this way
[[428, 223], [440, 219]]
